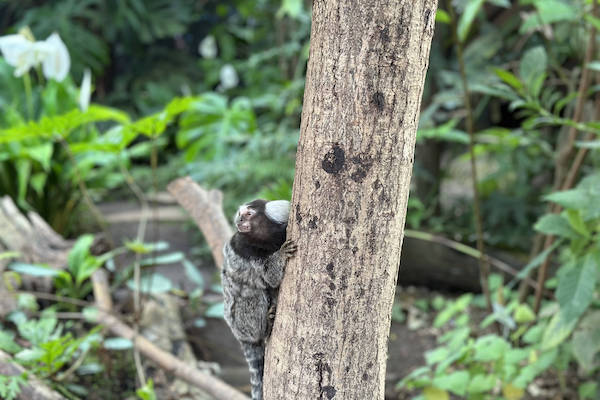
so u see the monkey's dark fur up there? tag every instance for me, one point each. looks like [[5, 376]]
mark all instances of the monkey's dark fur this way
[[254, 263]]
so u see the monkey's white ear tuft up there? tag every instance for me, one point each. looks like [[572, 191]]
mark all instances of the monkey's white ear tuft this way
[[278, 211]]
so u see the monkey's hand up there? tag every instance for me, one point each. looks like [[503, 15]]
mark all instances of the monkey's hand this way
[[275, 263], [288, 248]]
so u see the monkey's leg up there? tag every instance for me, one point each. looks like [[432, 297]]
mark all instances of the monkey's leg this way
[[255, 356]]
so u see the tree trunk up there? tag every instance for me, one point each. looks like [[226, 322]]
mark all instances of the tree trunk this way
[[365, 77]]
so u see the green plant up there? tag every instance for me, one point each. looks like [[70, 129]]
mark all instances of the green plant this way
[[472, 363], [476, 367], [578, 278], [10, 386], [74, 281], [146, 392], [49, 349]]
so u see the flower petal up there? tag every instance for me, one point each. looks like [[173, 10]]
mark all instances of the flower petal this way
[[57, 63], [85, 92], [19, 52]]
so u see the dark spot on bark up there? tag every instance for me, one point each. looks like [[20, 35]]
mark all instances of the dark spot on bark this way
[[298, 215], [332, 286], [365, 377], [369, 365], [358, 176], [378, 101], [329, 269], [329, 391], [384, 35], [344, 283], [312, 224], [427, 16], [347, 369], [330, 300], [333, 162], [324, 371], [363, 165], [354, 250], [317, 184], [361, 292]]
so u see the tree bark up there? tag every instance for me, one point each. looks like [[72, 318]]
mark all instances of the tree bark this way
[[364, 83]]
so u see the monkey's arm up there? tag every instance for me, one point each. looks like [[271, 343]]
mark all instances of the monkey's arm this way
[[275, 264]]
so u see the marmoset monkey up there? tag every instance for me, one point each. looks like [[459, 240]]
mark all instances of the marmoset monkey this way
[[255, 259]]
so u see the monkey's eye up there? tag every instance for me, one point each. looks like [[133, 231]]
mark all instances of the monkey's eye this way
[[246, 212]]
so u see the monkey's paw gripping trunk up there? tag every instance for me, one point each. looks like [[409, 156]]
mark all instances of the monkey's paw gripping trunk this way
[[255, 356]]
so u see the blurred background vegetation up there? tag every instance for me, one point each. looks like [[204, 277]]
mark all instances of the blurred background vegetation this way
[[214, 89]]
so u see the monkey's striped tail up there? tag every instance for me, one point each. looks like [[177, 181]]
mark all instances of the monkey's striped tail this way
[[255, 356]]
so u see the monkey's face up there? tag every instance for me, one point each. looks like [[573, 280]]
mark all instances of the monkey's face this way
[[243, 218]]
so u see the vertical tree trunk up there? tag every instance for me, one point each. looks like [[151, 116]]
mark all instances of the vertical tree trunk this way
[[365, 77]]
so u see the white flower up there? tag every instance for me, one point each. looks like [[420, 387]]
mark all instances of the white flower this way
[[208, 47], [229, 77], [57, 63], [22, 53], [85, 92]]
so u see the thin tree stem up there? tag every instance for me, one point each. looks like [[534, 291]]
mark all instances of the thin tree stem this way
[[484, 267]]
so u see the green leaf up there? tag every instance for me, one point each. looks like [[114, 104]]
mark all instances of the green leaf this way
[[595, 21], [577, 222], [481, 383], [534, 334], [7, 342], [586, 341], [193, 273], [534, 263], [29, 355], [591, 144], [79, 252], [556, 332], [117, 343], [442, 16], [512, 392], [588, 390], [436, 355], [466, 19], [515, 356], [554, 224], [34, 269], [576, 287], [41, 154], [585, 197], [490, 348], [509, 78], [91, 314], [170, 258], [455, 382], [433, 393], [216, 310], [146, 392], [523, 314], [533, 64], [155, 283], [291, 8], [452, 308], [549, 11], [594, 66], [23, 173], [531, 371]]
